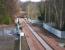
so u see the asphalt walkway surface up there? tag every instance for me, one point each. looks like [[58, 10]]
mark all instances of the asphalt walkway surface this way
[[31, 40], [34, 43]]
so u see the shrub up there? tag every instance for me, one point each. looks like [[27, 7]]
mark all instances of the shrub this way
[[41, 18], [6, 20]]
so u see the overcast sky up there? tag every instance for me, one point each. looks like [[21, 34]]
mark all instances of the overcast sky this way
[[31, 0]]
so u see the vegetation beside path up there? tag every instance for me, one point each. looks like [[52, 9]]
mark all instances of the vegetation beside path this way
[[8, 8]]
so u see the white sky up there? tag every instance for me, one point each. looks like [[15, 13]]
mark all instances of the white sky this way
[[23, 0], [30, 0], [36, 0]]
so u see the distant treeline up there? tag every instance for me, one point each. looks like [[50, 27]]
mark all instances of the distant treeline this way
[[8, 8]]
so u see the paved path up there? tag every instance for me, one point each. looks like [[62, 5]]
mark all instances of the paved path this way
[[32, 41], [52, 40], [44, 44]]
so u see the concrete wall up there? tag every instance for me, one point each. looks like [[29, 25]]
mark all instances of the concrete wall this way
[[58, 33]]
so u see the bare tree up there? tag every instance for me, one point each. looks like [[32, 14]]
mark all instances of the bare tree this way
[[8, 8], [54, 9]]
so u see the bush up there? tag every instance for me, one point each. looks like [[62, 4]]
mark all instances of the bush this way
[[41, 18], [6, 20]]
